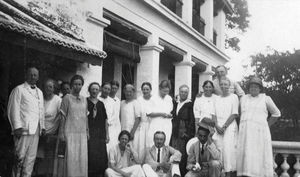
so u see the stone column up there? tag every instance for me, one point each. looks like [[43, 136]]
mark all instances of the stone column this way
[[206, 75], [183, 73], [187, 11], [93, 28], [207, 13], [148, 68], [219, 26]]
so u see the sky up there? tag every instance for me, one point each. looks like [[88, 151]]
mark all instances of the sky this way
[[274, 24]]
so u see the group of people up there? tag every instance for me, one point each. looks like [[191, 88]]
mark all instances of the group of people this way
[[223, 132]]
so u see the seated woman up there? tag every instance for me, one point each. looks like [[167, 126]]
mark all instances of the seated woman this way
[[122, 159]]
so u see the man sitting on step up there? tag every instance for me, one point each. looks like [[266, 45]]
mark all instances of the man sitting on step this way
[[161, 160]]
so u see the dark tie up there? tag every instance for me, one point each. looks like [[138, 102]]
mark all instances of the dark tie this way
[[32, 87], [158, 155], [202, 150]]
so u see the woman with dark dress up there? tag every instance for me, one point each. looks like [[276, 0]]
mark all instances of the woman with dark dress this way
[[183, 124], [98, 134]]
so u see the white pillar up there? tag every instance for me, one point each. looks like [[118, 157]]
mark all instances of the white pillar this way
[[219, 26], [90, 73], [187, 11], [148, 68], [93, 28], [207, 13], [183, 74], [206, 75]]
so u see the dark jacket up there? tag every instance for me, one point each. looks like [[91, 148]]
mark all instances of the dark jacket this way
[[185, 114]]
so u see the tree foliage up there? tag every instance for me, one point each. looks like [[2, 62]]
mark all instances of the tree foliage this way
[[238, 21], [281, 73]]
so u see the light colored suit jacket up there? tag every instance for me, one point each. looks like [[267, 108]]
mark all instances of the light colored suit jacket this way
[[168, 154], [26, 109], [211, 153]]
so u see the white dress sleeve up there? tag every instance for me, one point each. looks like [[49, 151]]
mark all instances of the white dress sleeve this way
[[235, 104], [272, 108], [196, 108]]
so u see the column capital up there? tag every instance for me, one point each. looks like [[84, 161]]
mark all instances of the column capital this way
[[185, 63], [208, 71], [157, 48]]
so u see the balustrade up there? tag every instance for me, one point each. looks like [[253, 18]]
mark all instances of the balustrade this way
[[287, 150]]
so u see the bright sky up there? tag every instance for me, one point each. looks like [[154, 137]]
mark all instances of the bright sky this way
[[273, 23]]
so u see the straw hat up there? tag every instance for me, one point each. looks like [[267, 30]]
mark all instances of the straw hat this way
[[256, 80]]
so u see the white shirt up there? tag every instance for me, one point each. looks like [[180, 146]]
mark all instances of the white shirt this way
[[109, 107], [129, 112], [52, 108], [117, 106], [163, 105], [26, 109], [204, 106]]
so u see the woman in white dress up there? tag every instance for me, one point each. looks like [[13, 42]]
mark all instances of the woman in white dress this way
[[204, 106], [254, 140], [141, 134], [226, 127], [113, 121], [161, 114], [47, 143]]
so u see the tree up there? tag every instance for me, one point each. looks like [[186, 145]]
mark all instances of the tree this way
[[238, 21], [281, 73]]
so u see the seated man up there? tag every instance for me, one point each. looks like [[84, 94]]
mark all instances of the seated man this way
[[204, 157], [161, 160], [122, 159]]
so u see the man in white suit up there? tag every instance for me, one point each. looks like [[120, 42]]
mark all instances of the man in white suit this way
[[161, 160], [26, 116]]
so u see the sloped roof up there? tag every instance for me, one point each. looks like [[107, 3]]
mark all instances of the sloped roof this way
[[12, 19]]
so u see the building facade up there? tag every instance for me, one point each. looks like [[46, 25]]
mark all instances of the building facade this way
[[153, 40]]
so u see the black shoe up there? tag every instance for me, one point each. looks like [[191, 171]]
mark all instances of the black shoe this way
[[176, 175]]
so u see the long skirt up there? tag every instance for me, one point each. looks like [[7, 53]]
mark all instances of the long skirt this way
[[140, 140], [255, 150], [97, 157]]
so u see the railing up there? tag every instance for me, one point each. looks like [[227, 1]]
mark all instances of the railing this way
[[286, 158]]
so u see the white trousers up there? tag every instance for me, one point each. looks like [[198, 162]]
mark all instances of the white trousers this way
[[134, 170], [149, 172], [25, 154]]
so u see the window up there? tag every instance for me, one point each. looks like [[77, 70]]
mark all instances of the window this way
[[198, 23], [174, 5], [215, 37]]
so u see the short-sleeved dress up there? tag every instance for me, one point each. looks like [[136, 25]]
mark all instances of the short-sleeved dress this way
[[227, 143], [140, 141], [254, 140], [75, 112], [162, 105], [97, 153], [130, 110]]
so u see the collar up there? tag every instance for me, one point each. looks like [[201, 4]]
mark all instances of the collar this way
[[185, 101], [156, 148], [27, 85]]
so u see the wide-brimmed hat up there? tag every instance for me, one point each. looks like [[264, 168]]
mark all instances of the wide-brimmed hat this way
[[255, 80], [204, 125]]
